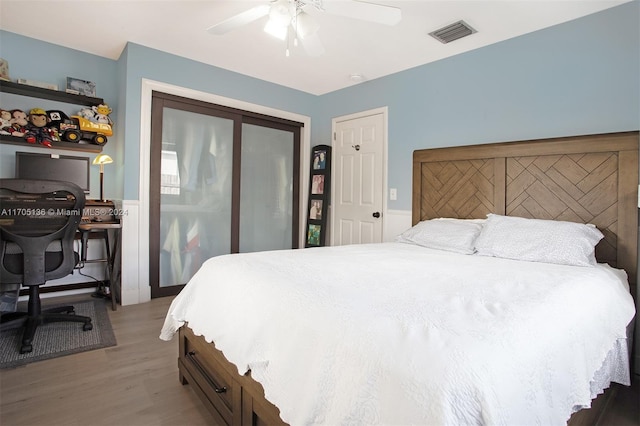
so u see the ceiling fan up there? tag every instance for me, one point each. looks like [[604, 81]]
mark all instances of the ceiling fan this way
[[290, 17]]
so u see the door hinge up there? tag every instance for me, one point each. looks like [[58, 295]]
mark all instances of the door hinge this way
[[334, 136]]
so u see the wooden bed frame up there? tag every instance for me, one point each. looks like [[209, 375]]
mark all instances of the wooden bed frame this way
[[589, 179]]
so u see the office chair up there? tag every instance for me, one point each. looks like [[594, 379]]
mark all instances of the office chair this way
[[37, 230]]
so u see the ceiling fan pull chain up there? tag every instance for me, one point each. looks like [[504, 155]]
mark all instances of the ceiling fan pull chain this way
[[295, 25], [286, 52]]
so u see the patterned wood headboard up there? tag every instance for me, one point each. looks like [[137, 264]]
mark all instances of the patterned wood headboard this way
[[588, 179]]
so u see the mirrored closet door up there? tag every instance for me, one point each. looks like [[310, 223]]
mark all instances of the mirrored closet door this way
[[222, 181]]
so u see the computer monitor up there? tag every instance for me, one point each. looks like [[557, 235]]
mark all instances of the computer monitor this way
[[67, 168]]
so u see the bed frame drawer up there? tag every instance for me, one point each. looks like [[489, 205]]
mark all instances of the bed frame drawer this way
[[210, 380], [232, 399]]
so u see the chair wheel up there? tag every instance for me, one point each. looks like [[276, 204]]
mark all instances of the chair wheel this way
[[26, 348], [87, 326]]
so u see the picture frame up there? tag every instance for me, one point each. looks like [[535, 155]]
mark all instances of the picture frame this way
[[318, 200], [317, 184], [4, 70], [315, 209], [314, 232], [319, 159], [81, 87]]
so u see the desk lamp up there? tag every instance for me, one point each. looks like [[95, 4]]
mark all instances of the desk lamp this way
[[101, 160]]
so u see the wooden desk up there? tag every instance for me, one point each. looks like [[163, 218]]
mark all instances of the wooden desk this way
[[85, 228]]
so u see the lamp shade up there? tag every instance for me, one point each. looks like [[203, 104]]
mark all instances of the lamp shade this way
[[102, 159], [306, 25], [279, 19], [277, 31]]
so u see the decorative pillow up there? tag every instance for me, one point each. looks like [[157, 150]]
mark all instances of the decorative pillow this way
[[537, 240], [456, 235]]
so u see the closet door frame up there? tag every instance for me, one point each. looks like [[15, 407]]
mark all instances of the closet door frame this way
[[237, 162], [239, 117]]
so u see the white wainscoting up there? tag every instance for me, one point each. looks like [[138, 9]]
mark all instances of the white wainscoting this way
[[135, 253], [396, 222]]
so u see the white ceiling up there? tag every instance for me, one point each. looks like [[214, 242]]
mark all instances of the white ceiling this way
[[351, 46]]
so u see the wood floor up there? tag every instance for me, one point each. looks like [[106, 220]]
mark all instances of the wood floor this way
[[133, 383], [136, 383]]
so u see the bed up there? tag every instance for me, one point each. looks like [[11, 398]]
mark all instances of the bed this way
[[406, 333]]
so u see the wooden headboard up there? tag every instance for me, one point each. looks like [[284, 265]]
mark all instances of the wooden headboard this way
[[587, 179]]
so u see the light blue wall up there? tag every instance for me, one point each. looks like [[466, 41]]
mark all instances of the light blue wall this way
[[143, 62], [36, 60], [580, 77]]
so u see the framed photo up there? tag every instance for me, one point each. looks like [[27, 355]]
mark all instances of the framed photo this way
[[4, 70], [319, 159], [317, 184], [313, 235], [315, 210], [81, 87]]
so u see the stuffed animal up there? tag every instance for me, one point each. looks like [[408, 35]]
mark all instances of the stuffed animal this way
[[5, 122], [88, 113], [37, 130], [18, 122], [102, 112]]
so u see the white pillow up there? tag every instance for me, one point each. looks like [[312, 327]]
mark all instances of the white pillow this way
[[537, 240], [456, 235]]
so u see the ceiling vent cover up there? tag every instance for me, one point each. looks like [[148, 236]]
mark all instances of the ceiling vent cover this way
[[452, 32]]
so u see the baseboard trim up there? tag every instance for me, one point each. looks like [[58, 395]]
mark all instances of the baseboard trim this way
[[63, 287]]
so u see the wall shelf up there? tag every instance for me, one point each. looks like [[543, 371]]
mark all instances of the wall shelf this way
[[69, 146], [51, 95]]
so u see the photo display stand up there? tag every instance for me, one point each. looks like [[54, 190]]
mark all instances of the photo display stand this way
[[319, 186]]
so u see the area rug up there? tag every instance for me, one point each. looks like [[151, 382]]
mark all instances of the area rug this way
[[60, 338]]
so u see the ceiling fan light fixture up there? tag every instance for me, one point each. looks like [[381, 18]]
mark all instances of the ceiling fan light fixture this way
[[279, 19], [305, 25], [283, 14], [278, 31], [280, 14]]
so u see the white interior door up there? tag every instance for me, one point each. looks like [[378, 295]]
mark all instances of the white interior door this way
[[359, 178]]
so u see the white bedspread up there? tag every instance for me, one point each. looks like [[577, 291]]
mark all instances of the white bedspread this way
[[399, 334]]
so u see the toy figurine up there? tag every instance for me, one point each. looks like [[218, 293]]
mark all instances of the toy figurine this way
[[88, 113], [18, 122], [37, 131], [5, 122], [102, 112]]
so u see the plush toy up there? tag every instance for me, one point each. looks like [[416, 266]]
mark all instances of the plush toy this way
[[5, 122], [102, 112], [18, 122], [88, 113], [37, 130]]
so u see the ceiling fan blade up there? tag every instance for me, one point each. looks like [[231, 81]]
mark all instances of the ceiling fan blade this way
[[355, 9], [239, 20], [312, 45]]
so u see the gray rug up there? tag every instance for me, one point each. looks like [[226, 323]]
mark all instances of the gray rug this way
[[60, 338]]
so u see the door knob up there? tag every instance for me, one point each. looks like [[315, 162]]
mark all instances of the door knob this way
[[376, 214]]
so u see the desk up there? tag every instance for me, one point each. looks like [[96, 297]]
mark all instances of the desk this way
[[85, 228]]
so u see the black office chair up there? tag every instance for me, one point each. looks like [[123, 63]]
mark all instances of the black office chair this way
[[37, 229]]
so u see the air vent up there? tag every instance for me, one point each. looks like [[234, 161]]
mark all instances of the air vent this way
[[452, 32]]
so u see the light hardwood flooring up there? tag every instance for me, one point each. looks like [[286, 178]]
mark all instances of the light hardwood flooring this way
[[133, 383], [136, 382]]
